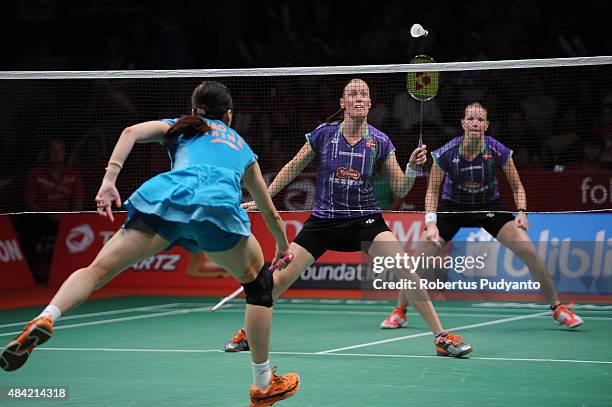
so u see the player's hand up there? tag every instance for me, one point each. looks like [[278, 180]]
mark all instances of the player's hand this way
[[107, 195], [282, 258], [249, 206], [418, 157], [521, 221], [432, 234]]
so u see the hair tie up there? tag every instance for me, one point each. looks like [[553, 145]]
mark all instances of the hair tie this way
[[203, 107]]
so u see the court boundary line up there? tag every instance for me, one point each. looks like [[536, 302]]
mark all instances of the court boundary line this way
[[162, 313], [455, 329], [111, 321], [111, 312], [367, 355], [581, 309], [410, 314]]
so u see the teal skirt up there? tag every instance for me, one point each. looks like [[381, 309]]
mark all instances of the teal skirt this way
[[194, 194]]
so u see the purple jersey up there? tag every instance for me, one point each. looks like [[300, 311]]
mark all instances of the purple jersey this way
[[471, 182], [345, 175]]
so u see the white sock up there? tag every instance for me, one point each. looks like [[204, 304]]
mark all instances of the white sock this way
[[261, 374], [51, 312]]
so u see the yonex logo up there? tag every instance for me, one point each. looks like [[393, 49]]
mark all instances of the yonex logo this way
[[79, 238]]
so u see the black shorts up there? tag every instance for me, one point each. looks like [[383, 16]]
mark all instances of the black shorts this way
[[341, 235], [492, 220]]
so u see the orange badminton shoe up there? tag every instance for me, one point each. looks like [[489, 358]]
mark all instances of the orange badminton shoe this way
[[564, 315], [449, 344], [280, 388], [238, 343], [397, 319], [16, 353]]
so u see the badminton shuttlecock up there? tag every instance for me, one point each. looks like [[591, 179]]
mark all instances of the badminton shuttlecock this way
[[417, 30]]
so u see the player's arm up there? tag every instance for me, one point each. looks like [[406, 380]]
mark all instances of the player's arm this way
[[145, 132], [401, 182], [255, 184], [520, 198], [518, 191], [292, 169], [436, 176]]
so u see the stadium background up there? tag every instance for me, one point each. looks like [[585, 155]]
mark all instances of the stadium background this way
[[564, 159], [570, 150]]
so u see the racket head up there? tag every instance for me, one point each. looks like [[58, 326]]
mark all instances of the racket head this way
[[422, 86]]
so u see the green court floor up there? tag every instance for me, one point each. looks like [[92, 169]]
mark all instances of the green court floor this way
[[163, 351]]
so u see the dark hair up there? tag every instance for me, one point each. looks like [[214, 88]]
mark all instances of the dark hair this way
[[210, 100], [478, 104], [339, 115]]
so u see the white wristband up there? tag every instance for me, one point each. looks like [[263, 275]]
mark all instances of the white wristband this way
[[431, 217], [410, 172]]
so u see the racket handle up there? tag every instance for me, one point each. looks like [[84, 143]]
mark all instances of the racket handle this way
[[287, 259], [419, 169]]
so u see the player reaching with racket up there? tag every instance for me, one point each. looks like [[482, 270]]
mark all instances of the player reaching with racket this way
[[465, 167], [346, 213], [209, 159]]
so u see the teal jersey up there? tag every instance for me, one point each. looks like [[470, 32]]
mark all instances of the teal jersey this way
[[220, 147], [203, 183]]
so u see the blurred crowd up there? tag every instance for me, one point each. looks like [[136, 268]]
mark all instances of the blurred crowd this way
[[553, 121], [139, 34]]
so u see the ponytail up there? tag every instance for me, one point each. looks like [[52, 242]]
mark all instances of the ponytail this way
[[336, 116], [187, 125]]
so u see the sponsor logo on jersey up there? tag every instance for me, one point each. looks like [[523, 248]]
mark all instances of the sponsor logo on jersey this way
[[473, 185], [347, 173], [371, 143]]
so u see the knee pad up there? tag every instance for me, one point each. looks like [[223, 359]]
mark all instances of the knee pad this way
[[259, 291]]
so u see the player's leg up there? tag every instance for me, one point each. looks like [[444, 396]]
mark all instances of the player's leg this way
[[126, 247], [310, 243], [245, 262], [518, 241], [447, 344], [398, 318]]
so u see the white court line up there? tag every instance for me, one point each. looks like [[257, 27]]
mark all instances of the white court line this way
[[110, 321], [511, 310], [201, 309], [544, 315], [410, 314], [95, 314], [523, 305], [134, 350], [365, 355], [459, 328], [282, 311]]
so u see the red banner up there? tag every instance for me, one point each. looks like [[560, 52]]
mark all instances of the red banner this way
[[81, 236], [14, 269]]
